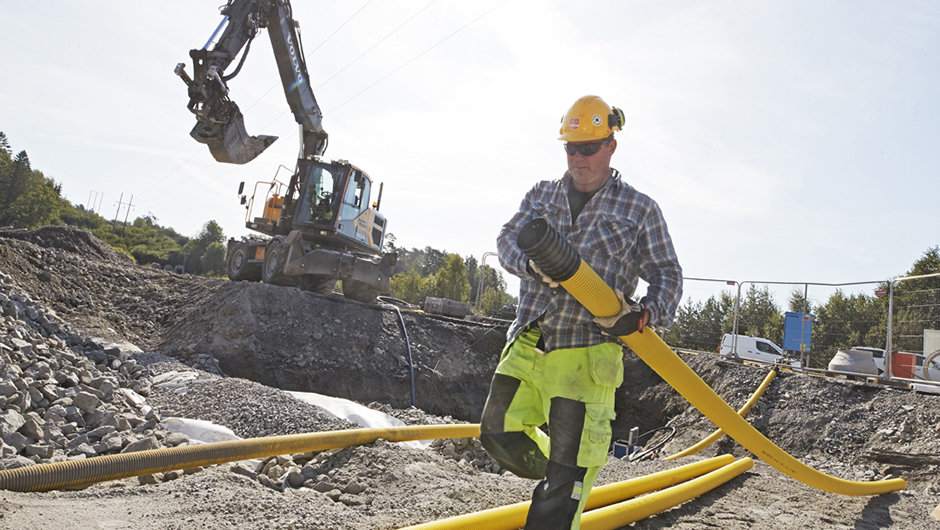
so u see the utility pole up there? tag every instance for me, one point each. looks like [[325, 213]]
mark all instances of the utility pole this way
[[129, 206], [99, 203], [118, 212], [90, 206]]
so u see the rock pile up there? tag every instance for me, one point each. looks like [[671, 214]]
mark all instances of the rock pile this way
[[64, 396], [96, 289]]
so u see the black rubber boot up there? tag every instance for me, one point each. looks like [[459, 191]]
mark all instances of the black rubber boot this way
[[556, 499]]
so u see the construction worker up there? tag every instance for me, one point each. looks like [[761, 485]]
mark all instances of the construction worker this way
[[559, 367]]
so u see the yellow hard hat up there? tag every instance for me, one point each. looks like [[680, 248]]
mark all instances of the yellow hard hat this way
[[590, 118]]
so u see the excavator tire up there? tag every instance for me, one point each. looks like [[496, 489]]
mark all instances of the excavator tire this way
[[359, 291], [272, 271], [317, 284], [239, 268]]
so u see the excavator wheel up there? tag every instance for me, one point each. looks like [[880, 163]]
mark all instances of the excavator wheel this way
[[274, 258], [239, 268], [317, 284], [359, 291]]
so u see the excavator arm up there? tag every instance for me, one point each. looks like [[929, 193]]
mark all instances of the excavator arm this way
[[219, 122]]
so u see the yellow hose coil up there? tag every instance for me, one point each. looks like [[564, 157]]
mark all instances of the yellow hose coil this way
[[74, 473], [624, 513], [596, 296], [713, 437], [513, 516]]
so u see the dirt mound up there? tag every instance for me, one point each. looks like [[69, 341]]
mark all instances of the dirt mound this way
[[102, 293], [73, 240], [341, 348]]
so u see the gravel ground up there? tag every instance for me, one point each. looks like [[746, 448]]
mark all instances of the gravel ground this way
[[848, 429]]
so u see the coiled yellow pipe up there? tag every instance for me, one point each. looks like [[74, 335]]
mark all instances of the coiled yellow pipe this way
[[513, 516], [713, 437], [592, 292], [624, 513], [74, 473]]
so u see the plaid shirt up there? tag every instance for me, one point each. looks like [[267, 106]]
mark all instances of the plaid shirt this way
[[620, 233]]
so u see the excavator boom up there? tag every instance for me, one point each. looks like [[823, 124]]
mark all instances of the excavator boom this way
[[219, 122]]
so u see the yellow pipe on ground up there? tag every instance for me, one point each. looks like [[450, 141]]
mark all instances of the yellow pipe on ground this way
[[624, 513], [513, 516], [713, 437], [592, 292], [76, 473]]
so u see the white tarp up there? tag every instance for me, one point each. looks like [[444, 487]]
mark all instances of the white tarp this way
[[356, 413]]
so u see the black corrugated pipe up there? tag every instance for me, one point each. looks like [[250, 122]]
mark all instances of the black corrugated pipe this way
[[411, 366], [545, 246]]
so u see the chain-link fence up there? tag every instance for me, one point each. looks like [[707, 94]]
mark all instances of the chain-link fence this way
[[893, 320], [914, 318]]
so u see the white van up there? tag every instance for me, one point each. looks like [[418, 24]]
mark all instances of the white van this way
[[754, 349]]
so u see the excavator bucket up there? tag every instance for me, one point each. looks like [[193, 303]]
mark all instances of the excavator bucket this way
[[229, 142]]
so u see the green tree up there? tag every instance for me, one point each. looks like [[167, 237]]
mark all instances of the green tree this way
[[492, 279], [38, 206], [916, 303], [15, 180], [452, 279], [700, 325], [759, 316], [196, 248], [409, 286], [214, 259], [493, 300]]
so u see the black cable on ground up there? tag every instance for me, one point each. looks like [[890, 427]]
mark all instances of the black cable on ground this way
[[639, 455], [392, 302]]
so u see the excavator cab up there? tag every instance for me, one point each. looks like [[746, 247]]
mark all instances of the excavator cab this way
[[334, 204]]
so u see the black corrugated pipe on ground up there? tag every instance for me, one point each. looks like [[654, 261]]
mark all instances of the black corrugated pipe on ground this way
[[411, 367]]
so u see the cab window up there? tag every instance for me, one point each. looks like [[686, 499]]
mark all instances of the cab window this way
[[316, 205], [356, 197], [766, 348]]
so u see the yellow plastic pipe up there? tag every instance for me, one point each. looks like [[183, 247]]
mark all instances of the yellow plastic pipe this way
[[513, 516], [713, 437], [74, 473], [592, 292], [624, 513]]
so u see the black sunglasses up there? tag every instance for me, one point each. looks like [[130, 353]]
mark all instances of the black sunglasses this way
[[584, 149]]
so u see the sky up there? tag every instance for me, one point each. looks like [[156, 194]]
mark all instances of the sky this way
[[786, 141]]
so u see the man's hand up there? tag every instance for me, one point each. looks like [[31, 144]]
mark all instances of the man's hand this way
[[540, 276], [632, 317]]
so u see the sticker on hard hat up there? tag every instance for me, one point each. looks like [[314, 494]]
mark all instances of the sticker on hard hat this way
[[596, 120], [573, 123]]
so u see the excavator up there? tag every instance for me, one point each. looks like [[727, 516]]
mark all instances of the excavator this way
[[318, 227]]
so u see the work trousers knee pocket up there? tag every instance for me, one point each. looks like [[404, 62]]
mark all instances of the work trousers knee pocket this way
[[595, 438], [606, 363]]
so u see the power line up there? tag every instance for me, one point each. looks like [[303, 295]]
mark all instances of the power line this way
[[171, 172], [339, 28], [417, 56], [179, 183], [311, 53], [380, 41]]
